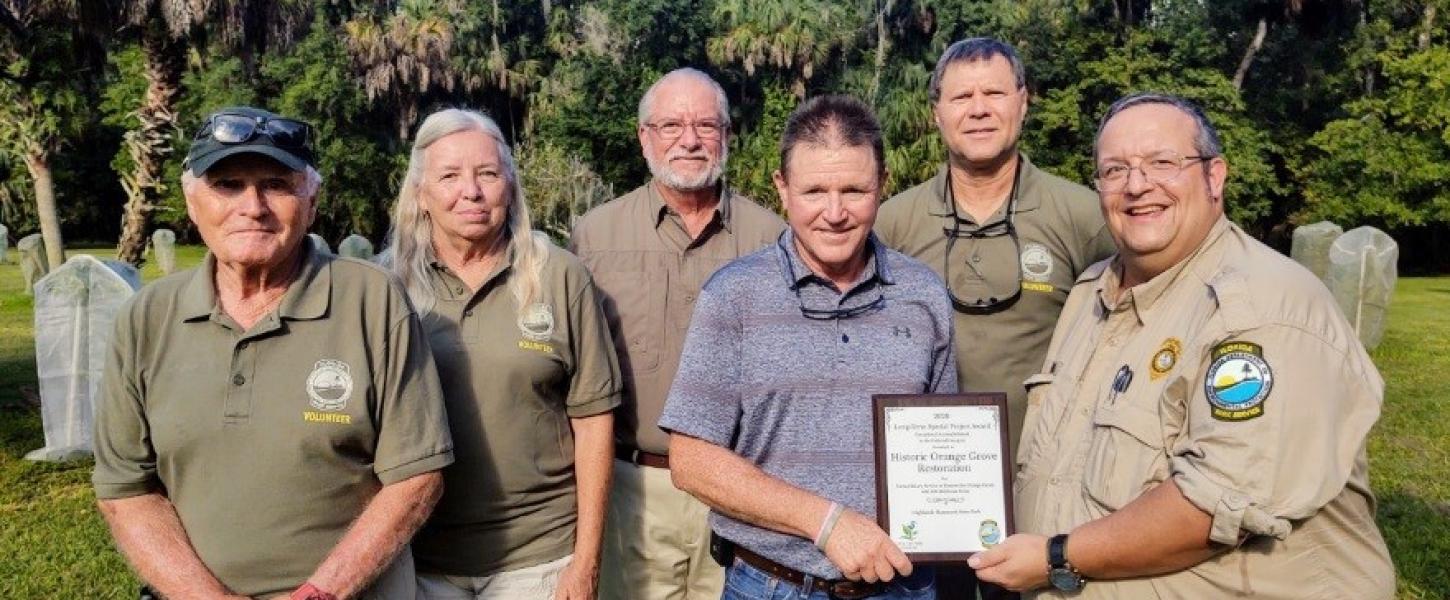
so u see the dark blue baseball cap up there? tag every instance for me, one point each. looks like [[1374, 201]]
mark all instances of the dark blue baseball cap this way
[[242, 130]]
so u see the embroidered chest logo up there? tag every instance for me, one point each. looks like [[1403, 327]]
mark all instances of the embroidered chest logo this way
[[1238, 381], [900, 331], [1164, 359], [537, 322], [329, 385], [1036, 262]]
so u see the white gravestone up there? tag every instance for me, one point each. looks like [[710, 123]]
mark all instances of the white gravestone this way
[[33, 263], [1311, 246], [1362, 273], [356, 246], [319, 243], [4, 242], [163, 248], [75, 309]]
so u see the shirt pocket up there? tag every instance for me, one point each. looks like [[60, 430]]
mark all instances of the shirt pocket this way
[[1126, 456], [1033, 425], [634, 303]]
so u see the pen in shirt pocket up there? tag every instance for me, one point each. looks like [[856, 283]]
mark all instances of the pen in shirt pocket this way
[[1121, 381]]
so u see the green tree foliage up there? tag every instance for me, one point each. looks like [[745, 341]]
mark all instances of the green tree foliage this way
[[1330, 109], [1387, 163]]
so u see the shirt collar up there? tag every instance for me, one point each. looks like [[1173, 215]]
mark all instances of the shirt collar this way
[[447, 283], [307, 297], [1142, 297], [795, 272], [722, 208], [1028, 196]]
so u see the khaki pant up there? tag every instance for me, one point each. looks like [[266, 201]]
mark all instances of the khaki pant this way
[[529, 583], [656, 541]]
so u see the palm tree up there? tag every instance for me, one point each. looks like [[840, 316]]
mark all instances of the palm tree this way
[[40, 99], [167, 29], [794, 36], [402, 55]]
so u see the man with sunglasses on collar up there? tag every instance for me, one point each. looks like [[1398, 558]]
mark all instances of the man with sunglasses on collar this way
[[270, 424], [1008, 238], [770, 413]]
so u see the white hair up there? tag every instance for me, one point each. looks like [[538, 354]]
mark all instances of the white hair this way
[[410, 253], [647, 101], [311, 183]]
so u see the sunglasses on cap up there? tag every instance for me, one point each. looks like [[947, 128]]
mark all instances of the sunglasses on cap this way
[[233, 128]]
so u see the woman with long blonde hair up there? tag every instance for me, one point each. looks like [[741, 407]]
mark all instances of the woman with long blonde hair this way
[[528, 369]]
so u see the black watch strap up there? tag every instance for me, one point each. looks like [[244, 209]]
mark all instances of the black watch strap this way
[[1057, 551]]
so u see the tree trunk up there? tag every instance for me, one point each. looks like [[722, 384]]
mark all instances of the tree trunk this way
[[1254, 47], [38, 163], [151, 143], [1428, 26], [882, 46]]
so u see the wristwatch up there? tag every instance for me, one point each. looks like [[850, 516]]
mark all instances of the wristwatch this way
[[1060, 573]]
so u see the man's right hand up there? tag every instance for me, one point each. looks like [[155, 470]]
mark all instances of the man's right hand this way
[[863, 552]]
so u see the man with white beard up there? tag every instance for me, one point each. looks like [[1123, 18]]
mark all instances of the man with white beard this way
[[650, 251]]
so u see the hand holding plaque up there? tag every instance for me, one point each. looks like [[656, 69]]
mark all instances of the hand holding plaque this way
[[943, 474]]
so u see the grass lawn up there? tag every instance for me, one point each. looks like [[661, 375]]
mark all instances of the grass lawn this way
[[55, 544]]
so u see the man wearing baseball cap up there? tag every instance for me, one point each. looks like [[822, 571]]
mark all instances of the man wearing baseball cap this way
[[270, 423]]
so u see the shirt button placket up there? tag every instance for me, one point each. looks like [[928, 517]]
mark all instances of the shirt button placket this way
[[238, 404]]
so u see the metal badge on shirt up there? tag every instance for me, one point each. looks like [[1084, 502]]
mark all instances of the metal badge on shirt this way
[[1164, 359], [329, 386], [1238, 381], [1036, 267]]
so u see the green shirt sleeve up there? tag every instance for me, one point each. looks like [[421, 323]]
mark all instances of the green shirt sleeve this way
[[125, 459], [595, 385], [413, 434]]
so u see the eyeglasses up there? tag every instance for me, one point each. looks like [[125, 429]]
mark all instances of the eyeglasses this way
[[1158, 168], [672, 130], [987, 292], [827, 314], [230, 128]]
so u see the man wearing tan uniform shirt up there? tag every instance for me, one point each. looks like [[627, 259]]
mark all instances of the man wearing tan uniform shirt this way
[[650, 251], [1198, 428]]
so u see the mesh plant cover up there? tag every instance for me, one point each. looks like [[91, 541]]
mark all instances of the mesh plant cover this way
[[319, 243], [1311, 246], [33, 262], [163, 247], [1362, 273], [75, 308], [356, 246]]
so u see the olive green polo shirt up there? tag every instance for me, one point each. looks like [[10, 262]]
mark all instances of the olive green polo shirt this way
[[512, 380], [650, 273], [269, 442], [1060, 233]]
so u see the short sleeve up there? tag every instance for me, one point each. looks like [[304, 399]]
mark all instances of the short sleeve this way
[[1277, 418], [595, 385], [704, 401], [944, 352], [125, 458], [413, 433]]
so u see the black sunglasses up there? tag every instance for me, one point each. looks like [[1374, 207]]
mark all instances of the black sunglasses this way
[[232, 128], [827, 314], [991, 302]]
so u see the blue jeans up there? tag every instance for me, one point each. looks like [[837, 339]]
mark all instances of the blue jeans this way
[[744, 582]]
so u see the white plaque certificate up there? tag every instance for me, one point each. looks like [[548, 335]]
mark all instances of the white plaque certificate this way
[[943, 474]]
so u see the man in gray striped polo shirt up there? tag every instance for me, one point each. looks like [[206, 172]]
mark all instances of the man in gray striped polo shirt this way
[[770, 412]]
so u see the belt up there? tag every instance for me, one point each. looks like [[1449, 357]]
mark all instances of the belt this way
[[843, 589], [642, 458]]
